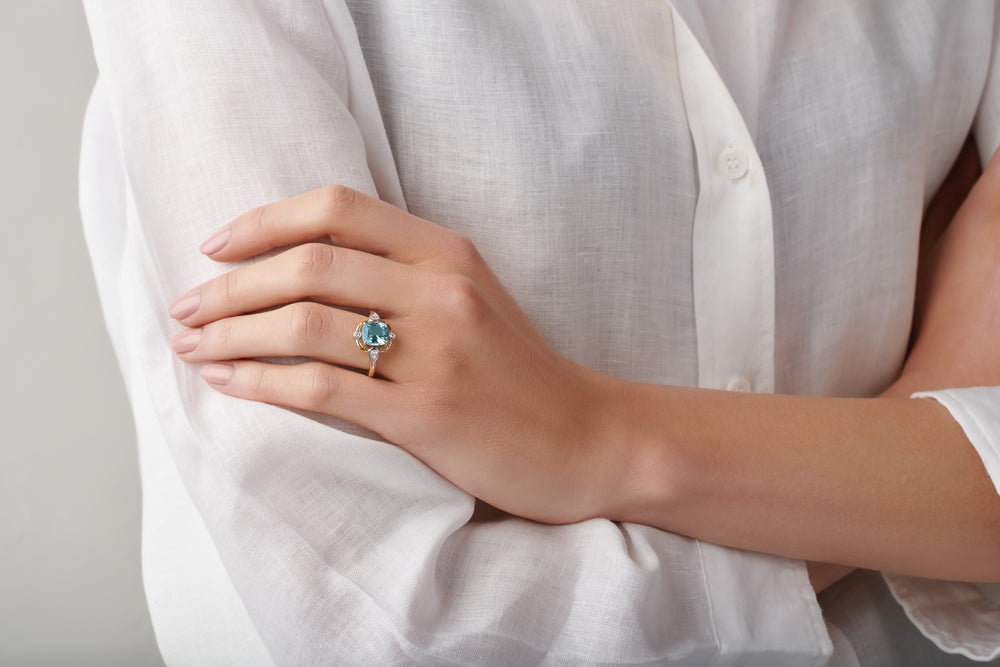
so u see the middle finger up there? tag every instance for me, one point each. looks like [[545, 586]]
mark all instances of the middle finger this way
[[341, 276]]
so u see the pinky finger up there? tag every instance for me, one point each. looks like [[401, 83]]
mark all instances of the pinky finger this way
[[314, 386]]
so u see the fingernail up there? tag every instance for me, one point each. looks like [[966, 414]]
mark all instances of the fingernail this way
[[185, 341], [217, 241], [217, 373], [186, 305]]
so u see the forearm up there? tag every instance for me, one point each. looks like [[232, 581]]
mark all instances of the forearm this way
[[885, 483]]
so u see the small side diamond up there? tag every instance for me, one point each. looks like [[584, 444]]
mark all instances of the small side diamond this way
[[373, 354], [357, 333], [373, 316]]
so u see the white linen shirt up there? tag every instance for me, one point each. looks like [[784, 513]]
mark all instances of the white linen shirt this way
[[726, 196]]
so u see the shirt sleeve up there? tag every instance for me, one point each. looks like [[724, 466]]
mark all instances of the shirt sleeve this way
[[343, 548], [964, 618]]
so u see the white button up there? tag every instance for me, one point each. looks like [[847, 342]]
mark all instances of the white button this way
[[734, 163], [739, 384]]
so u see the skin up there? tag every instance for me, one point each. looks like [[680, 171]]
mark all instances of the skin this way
[[939, 214], [888, 483]]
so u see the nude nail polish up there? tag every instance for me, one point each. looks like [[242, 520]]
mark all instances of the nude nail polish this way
[[218, 373], [186, 341], [217, 241], [186, 305]]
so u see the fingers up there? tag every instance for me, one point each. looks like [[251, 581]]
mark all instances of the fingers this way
[[345, 216], [317, 271], [299, 329], [311, 386]]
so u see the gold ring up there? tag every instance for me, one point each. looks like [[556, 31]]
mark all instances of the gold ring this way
[[375, 337]]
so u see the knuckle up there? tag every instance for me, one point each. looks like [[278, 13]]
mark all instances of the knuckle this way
[[312, 261], [460, 249], [463, 299], [257, 384], [320, 386], [463, 303], [452, 368], [439, 409], [337, 200], [307, 322], [228, 285], [220, 333], [260, 219]]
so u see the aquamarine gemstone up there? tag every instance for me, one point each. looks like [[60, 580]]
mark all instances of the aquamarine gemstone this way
[[375, 333]]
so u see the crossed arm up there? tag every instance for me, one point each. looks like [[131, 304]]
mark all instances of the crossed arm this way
[[888, 483], [364, 552]]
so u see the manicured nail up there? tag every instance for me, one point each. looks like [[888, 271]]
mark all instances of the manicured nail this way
[[217, 373], [217, 241], [185, 341], [186, 305]]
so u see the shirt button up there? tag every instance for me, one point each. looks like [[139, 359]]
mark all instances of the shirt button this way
[[734, 163], [739, 384]]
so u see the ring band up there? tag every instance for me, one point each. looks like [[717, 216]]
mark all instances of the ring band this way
[[375, 337]]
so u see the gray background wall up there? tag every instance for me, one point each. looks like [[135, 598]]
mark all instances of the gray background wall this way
[[70, 587]]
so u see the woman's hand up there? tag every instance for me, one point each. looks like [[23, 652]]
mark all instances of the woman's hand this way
[[469, 386]]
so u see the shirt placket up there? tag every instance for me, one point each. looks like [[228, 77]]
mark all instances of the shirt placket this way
[[733, 236]]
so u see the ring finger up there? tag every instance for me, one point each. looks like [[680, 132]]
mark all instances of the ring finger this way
[[299, 329]]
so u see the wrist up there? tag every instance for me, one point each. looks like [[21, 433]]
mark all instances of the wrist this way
[[635, 472]]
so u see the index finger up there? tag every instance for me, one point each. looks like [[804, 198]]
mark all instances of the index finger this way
[[345, 216]]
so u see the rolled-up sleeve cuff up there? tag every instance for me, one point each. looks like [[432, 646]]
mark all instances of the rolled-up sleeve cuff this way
[[959, 617]]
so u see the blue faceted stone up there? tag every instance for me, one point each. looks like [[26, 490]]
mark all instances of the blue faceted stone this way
[[375, 333]]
